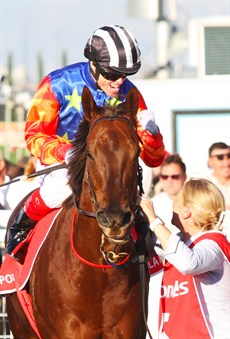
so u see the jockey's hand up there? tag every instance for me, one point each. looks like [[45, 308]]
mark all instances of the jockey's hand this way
[[146, 119]]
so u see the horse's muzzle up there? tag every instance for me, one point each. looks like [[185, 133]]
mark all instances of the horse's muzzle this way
[[115, 225]]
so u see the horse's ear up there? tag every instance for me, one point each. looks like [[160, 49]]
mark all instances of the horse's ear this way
[[88, 104], [131, 102]]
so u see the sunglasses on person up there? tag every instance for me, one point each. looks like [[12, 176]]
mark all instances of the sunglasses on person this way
[[174, 176], [112, 76], [221, 156]]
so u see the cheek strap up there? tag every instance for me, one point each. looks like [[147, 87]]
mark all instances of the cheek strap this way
[[95, 75]]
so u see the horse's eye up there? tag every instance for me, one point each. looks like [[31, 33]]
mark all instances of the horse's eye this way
[[89, 156]]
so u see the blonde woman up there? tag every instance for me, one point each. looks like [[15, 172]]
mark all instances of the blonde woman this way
[[195, 289]]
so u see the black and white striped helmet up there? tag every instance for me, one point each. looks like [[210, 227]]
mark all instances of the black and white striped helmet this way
[[114, 47]]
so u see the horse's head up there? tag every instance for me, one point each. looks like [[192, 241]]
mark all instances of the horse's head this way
[[110, 177]]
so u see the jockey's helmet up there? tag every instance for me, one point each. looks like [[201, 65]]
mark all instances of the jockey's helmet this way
[[114, 48]]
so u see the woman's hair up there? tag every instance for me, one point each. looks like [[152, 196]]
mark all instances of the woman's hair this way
[[206, 203]]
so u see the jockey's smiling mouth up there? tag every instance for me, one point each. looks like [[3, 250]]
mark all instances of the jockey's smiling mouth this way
[[109, 83]]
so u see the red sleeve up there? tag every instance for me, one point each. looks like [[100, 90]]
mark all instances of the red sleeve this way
[[152, 146]]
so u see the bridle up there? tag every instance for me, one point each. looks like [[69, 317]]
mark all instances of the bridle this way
[[110, 257], [92, 193]]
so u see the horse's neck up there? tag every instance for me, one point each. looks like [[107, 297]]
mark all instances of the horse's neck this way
[[87, 238]]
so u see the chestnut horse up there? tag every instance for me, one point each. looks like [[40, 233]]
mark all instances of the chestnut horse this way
[[85, 282]]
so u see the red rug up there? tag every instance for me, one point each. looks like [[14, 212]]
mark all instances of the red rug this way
[[13, 274]]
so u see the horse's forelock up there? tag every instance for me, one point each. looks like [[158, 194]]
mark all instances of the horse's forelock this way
[[110, 111]]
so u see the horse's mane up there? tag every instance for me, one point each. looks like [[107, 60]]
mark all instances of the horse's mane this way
[[76, 166]]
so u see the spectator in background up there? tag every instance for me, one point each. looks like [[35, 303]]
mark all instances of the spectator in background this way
[[18, 190], [157, 185], [147, 178], [14, 170], [12, 193], [219, 163], [172, 177], [4, 178]]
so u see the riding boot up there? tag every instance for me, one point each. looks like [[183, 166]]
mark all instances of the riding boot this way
[[19, 230], [29, 215]]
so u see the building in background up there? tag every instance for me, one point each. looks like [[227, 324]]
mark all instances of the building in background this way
[[185, 80], [188, 87]]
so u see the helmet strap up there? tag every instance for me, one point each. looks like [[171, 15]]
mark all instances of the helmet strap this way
[[95, 74]]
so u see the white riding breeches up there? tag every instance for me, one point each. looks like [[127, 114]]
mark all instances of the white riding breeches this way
[[54, 188]]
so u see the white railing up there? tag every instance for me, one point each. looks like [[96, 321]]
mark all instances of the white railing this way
[[4, 325]]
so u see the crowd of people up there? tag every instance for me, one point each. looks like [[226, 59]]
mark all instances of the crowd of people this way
[[186, 215]]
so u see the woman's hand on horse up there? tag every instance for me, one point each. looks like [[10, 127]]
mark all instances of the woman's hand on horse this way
[[146, 205]]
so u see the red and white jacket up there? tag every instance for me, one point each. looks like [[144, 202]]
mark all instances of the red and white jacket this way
[[195, 290]]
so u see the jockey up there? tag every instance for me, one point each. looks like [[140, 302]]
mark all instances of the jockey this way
[[56, 112]]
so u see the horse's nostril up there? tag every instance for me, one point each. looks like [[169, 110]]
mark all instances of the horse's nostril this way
[[103, 219], [108, 219], [127, 218]]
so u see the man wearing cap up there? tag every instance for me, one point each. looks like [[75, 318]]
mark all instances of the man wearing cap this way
[[56, 112]]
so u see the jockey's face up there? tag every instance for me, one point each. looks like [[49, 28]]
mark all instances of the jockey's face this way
[[110, 87]]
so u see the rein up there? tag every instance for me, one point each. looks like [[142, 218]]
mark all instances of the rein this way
[[110, 257], [46, 170]]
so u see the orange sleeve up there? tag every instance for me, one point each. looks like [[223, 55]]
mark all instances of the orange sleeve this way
[[41, 127]]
